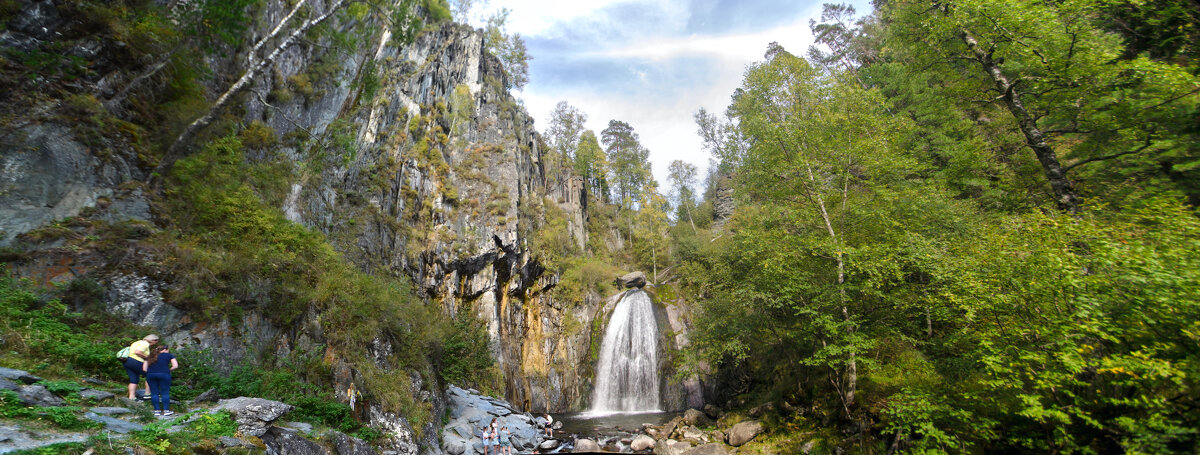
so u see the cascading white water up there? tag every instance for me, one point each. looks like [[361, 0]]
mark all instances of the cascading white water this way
[[627, 376]]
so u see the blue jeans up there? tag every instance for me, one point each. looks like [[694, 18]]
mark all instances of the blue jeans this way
[[160, 390]]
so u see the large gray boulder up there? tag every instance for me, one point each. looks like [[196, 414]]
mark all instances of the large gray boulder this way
[[37, 395], [284, 441], [633, 280], [18, 376], [744, 432], [641, 442], [254, 415], [586, 445], [696, 418], [8, 385]]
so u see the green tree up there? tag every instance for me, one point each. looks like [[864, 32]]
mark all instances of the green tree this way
[[629, 170], [566, 124], [508, 47], [683, 176], [592, 164]]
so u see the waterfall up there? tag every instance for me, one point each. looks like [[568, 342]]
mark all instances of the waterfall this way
[[627, 376]]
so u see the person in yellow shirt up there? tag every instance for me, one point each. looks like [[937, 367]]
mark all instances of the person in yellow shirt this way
[[138, 351]]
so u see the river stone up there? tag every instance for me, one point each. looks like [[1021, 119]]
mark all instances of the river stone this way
[[744, 432], [633, 280], [708, 449], [641, 442], [110, 410], [93, 394], [696, 418], [254, 415], [712, 411], [37, 395], [282, 441], [671, 447], [8, 385], [113, 424], [549, 444], [694, 435], [586, 445], [18, 376]]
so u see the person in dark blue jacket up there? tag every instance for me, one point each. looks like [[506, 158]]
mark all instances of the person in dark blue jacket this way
[[158, 366]]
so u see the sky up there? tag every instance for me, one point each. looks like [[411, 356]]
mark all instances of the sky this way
[[651, 63]]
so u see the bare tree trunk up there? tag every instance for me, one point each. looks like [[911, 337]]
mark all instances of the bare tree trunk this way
[[255, 69], [852, 361], [1064, 191], [693, 223]]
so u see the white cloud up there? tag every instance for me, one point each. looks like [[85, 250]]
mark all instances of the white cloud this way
[[658, 94]]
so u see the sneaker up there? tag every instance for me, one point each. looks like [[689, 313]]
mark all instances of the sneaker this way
[[158, 413], [168, 413]]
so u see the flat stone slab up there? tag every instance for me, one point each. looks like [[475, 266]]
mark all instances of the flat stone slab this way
[[110, 410], [298, 426], [18, 375], [93, 394], [13, 438], [8, 385], [113, 424]]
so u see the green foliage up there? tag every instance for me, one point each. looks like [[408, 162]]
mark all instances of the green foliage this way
[[466, 357], [66, 417], [73, 343], [62, 387], [258, 135], [437, 10]]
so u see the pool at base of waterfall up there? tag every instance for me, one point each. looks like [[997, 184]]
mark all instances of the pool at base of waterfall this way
[[609, 429]]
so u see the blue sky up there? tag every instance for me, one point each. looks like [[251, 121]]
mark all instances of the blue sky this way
[[651, 63]]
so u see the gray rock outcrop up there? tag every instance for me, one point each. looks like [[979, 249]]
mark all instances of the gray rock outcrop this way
[[344, 444], [284, 441], [37, 395], [253, 415], [471, 412], [8, 385]]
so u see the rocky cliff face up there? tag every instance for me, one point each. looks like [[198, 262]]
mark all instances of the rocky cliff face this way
[[413, 160]]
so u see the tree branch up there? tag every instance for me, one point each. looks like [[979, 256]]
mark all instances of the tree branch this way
[[1144, 146]]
